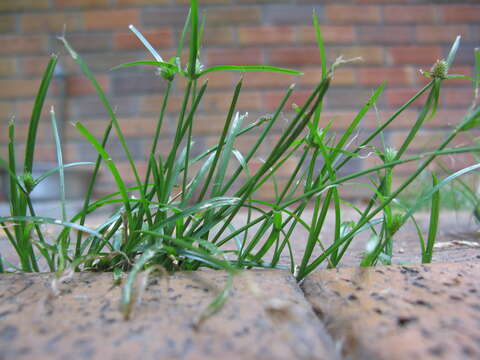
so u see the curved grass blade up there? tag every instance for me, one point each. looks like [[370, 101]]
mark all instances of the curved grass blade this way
[[203, 206], [321, 45], [192, 63], [47, 220], [65, 166], [433, 227], [272, 69], [419, 203], [108, 161], [453, 51], [159, 64], [37, 110], [145, 43]]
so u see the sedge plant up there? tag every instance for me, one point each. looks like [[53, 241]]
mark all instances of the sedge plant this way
[[182, 213]]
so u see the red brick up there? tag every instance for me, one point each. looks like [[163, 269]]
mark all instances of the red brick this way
[[458, 97], [80, 85], [164, 16], [330, 33], [83, 42], [425, 139], [409, 14], [208, 124], [415, 54], [18, 44], [111, 19], [7, 66], [33, 65], [18, 88], [6, 109], [386, 34], [81, 3], [341, 119], [461, 70], [187, 2], [142, 2], [239, 56], [151, 104], [7, 23], [460, 13], [448, 117], [442, 33], [263, 1], [266, 35], [21, 132], [398, 97], [261, 79], [95, 126], [218, 36], [158, 38], [380, 1], [342, 76], [233, 15], [163, 147], [294, 55], [273, 99], [216, 80], [220, 102], [51, 22], [353, 14], [138, 126], [19, 5], [369, 54], [393, 76], [348, 97]]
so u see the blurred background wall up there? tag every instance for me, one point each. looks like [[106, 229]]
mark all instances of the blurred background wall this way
[[395, 38]]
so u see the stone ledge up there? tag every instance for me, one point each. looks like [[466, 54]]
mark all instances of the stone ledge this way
[[401, 312], [266, 317]]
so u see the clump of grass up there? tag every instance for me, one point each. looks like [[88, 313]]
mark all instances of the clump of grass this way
[[175, 218]]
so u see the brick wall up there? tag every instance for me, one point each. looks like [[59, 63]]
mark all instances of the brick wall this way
[[394, 37]]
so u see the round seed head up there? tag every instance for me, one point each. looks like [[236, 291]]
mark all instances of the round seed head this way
[[390, 154], [28, 181], [440, 69]]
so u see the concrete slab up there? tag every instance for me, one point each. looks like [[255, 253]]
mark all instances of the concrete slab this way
[[266, 317], [401, 312]]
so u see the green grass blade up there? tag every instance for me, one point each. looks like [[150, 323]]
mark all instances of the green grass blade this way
[[222, 139], [433, 227], [272, 69], [145, 43], [61, 172], [420, 202], [159, 64], [183, 35], [453, 51], [57, 169], [103, 98], [477, 75], [37, 110], [108, 161], [199, 207], [226, 154], [192, 64], [321, 45], [48, 220], [356, 121]]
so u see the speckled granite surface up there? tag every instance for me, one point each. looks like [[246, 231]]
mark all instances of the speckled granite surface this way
[[401, 312], [266, 317]]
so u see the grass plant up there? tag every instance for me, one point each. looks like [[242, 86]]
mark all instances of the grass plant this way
[[176, 218]]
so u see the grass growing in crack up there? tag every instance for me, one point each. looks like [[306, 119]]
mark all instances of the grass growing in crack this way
[[178, 218]]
